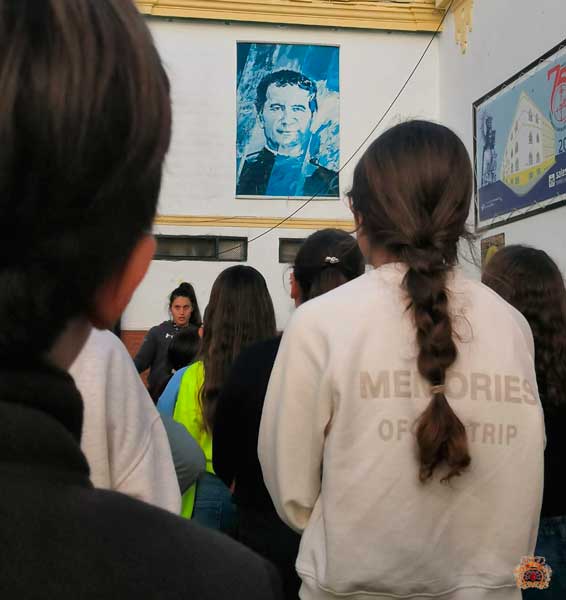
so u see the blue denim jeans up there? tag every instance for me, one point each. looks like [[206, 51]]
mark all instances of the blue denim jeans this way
[[213, 505], [551, 543]]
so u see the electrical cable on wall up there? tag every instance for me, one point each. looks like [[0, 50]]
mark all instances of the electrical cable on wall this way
[[360, 146]]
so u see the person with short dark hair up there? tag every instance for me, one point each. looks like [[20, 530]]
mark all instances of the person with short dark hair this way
[[152, 355], [183, 350], [286, 104], [85, 124]]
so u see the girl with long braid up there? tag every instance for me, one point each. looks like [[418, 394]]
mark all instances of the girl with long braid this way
[[402, 431]]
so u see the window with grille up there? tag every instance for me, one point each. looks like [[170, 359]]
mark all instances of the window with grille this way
[[288, 248], [201, 247]]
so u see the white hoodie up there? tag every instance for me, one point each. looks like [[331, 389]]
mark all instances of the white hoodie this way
[[123, 438], [339, 460]]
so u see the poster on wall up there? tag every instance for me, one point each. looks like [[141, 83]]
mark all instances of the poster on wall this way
[[520, 143], [490, 246], [288, 126]]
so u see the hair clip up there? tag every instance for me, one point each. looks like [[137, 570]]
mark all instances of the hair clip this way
[[438, 389], [332, 260]]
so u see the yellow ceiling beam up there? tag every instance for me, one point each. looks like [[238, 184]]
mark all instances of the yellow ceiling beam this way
[[400, 15]]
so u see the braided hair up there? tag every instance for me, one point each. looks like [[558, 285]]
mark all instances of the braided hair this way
[[411, 193]]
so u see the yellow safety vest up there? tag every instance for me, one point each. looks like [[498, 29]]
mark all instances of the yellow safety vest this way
[[188, 412]]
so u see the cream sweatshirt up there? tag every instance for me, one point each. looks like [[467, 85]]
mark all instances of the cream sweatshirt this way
[[338, 453], [123, 438]]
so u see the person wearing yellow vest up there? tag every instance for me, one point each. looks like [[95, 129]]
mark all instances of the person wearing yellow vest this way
[[240, 312]]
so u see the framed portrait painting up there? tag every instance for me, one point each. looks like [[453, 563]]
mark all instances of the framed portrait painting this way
[[288, 127]]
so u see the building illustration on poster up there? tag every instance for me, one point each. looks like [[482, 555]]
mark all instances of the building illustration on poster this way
[[530, 150], [520, 143], [287, 121]]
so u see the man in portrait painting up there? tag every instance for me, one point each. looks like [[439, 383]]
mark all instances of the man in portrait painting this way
[[286, 104]]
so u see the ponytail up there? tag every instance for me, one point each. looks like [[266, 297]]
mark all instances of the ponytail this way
[[411, 194], [327, 259], [441, 436], [326, 278]]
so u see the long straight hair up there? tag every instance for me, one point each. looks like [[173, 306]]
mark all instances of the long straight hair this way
[[239, 313], [411, 192], [532, 282]]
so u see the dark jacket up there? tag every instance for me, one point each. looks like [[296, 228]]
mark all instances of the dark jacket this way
[[554, 495], [234, 455], [152, 355], [236, 425], [63, 539], [255, 174]]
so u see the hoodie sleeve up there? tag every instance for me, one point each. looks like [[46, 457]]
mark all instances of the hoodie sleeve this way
[[146, 354], [123, 436], [297, 411]]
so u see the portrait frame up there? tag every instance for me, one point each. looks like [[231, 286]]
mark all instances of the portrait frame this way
[[288, 145]]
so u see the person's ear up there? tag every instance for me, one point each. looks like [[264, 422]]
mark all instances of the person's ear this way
[[115, 293], [295, 289]]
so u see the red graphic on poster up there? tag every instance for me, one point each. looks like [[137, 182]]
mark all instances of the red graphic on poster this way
[[558, 98]]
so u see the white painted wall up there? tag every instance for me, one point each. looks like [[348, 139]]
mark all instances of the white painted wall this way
[[200, 57], [507, 36]]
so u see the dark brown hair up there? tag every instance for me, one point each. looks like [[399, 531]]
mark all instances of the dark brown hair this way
[[240, 312], [532, 282], [183, 348], [327, 259], [186, 290], [411, 192], [84, 127]]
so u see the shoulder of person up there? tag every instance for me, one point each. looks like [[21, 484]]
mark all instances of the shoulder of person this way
[[319, 315], [495, 305], [259, 157], [166, 328], [492, 308], [321, 171], [257, 355], [102, 346], [193, 375], [194, 561]]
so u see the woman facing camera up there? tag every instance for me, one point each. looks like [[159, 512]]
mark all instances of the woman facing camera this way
[[532, 282], [398, 433], [184, 312]]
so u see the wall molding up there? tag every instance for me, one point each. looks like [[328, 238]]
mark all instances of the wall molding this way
[[252, 222], [400, 15]]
